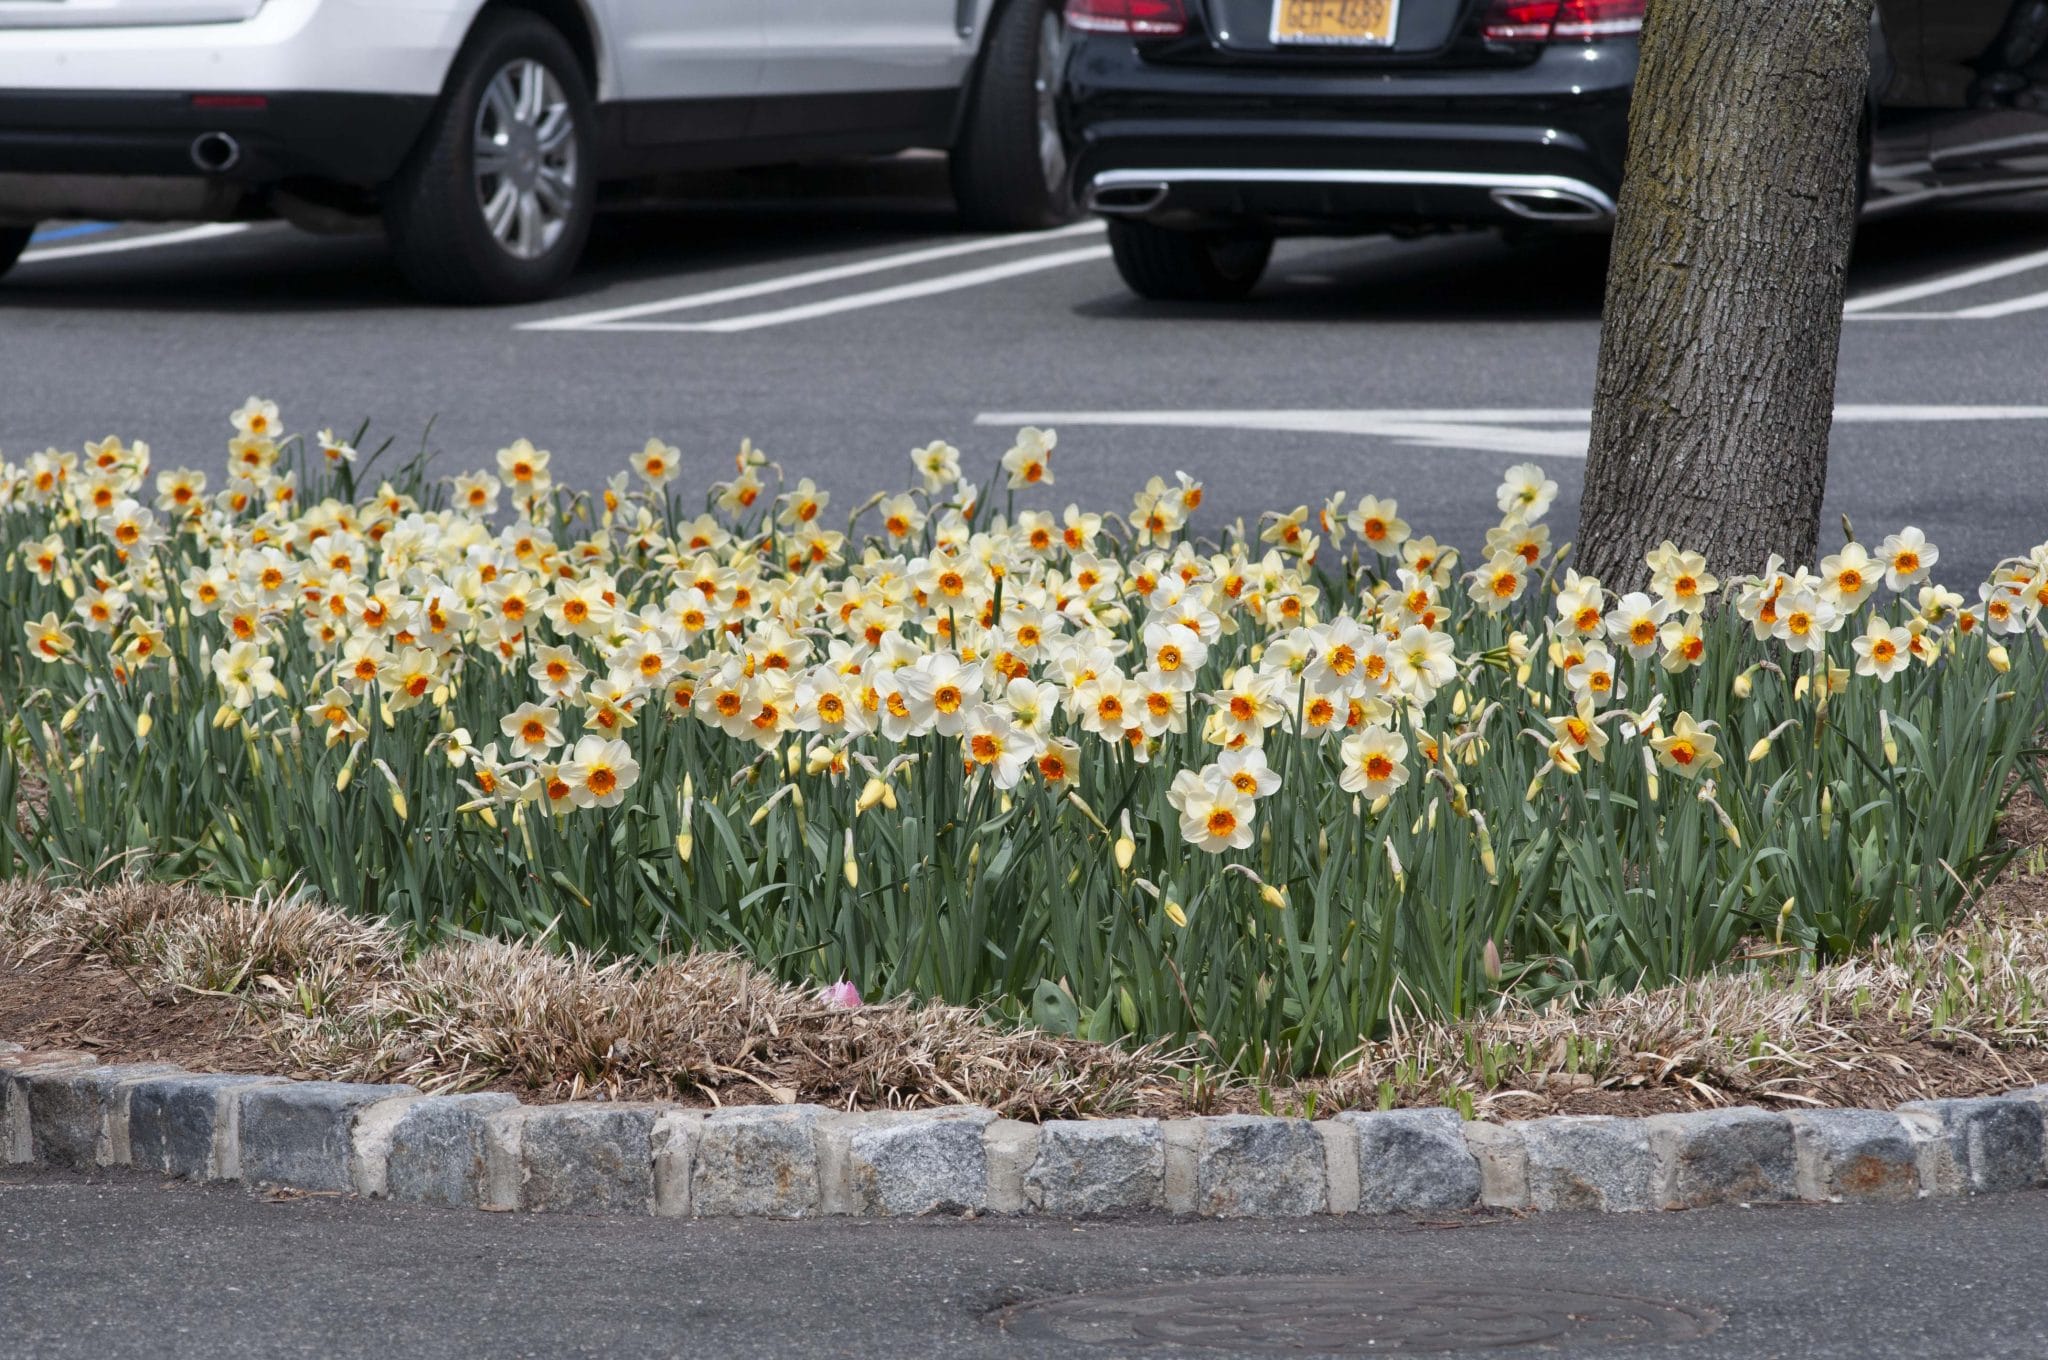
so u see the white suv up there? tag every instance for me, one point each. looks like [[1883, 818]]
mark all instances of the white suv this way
[[478, 130]]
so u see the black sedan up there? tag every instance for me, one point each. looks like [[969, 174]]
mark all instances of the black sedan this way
[[1203, 129]]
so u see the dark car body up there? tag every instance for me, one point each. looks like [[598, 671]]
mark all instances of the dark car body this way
[[1220, 128]]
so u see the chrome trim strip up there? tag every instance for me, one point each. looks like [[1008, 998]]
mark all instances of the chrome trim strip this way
[[1442, 179]]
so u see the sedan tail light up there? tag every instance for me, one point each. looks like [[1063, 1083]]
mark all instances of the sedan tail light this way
[[1561, 20], [1140, 18]]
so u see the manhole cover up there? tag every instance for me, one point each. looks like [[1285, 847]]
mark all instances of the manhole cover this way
[[1353, 1316]]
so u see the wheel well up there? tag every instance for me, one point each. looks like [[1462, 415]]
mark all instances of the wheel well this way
[[572, 21]]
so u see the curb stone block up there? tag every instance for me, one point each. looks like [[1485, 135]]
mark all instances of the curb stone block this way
[[17, 1142], [1250, 1165], [1972, 1146], [1589, 1161], [302, 1134], [78, 1116], [436, 1150], [1855, 1155], [926, 1162], [185, 1125], [758, 1161], [594, 1158], [1413, 1161], [1097, 1166], [1739, 1156]]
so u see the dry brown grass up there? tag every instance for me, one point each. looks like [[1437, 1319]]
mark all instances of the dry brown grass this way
[[335, 996]]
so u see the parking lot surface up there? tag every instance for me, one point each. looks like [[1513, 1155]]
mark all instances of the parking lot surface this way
[[121, 1265], [839, 317]]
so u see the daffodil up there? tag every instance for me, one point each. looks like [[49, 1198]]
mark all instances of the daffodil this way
[[1687, 748]]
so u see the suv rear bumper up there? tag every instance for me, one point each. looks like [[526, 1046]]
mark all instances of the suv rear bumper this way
[[1306, 149], [351, 138]]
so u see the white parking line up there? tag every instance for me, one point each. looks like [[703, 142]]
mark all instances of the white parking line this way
[[204, 232], [1948, 283], [1484, 430], [612, 317], [852, 302], [2032, 302]]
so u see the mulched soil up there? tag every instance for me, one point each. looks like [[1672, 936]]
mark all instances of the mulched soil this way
[[98, 1009], [1921, 1071]]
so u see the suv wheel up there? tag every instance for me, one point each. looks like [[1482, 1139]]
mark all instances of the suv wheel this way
[[495, 202], [13, 240], [1009, 167], [1187, 266]]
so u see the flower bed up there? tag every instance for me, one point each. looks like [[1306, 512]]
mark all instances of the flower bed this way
[[1264, 791]]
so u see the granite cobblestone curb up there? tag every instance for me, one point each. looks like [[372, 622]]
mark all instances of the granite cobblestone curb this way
[[490, 1152]]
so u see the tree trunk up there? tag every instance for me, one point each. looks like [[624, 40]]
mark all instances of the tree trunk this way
[[1716, 384]]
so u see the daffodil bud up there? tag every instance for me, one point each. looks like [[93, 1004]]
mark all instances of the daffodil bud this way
[[1827, 811], [1891, 745], [1535, 787], [875, 791], [489, 817], [143, 726], [852, 869], [1175, 914], [1273, 895], [398, 802], [685, 842], [1125, 849], [2000, 660], [1760, 750], [1745, 683], [1784, 915], [226, 716], [1489, 960]]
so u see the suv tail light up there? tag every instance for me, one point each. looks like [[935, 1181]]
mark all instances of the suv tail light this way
[[1140, 18], [1561, 20]]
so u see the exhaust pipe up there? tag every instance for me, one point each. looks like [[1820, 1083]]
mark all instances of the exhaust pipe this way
[[1551, 205], [1125, 197], [216, 153]]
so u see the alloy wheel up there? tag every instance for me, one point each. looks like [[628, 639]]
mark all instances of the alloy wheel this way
[[526, 161]]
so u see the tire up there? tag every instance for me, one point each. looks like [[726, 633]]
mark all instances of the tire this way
[[13, 240], [1186, 266], [435, 209], [1009, 167]]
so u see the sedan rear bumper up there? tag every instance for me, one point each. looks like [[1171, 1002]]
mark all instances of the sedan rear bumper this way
[[1316, 149]]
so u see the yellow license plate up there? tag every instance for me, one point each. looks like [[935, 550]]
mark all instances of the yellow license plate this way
[[1339, 23]]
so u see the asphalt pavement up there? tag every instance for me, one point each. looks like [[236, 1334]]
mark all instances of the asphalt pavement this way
[[122, 1264], [839, 317]]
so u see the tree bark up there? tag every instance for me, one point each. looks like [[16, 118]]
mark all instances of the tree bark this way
[[1723, 319]]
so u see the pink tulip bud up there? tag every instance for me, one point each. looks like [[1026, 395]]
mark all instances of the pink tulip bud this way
[[841, 996]]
